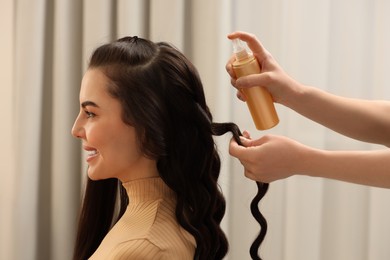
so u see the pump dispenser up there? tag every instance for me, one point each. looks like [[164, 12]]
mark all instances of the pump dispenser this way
[[259, 100]]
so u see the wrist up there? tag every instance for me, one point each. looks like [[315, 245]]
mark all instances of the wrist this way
[[313, 160], [294, 94]]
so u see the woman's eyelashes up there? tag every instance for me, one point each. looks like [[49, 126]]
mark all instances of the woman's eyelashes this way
[[89, 114]]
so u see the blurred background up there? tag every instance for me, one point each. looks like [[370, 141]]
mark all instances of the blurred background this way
[[341, 46]]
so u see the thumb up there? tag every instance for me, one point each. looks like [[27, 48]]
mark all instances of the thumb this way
[[246, 141], [256, 142], [252, 80], [235, 149]]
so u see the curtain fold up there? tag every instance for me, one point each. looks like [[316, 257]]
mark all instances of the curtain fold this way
[[65, 150], [341, 47], [29, 87], [7, 129], [132, 18]]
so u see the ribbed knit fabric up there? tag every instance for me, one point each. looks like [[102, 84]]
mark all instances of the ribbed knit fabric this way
[[148, 229]]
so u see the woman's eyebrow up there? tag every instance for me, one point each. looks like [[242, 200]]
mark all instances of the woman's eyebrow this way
[[88, 103]]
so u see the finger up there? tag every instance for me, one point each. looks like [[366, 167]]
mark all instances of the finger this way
[[235, 149], [229, 67], [249, 174], [233, 82], [246, 141], [253, 80], [241, 96], [246, 134], [261, 141]]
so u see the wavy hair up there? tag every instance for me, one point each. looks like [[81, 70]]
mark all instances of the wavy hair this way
[[162, 97]]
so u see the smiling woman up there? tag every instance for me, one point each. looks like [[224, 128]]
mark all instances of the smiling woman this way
[[145, 124], [111, 143]]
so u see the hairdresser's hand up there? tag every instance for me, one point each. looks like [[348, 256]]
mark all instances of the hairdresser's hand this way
[[270, 158], [272, 77]]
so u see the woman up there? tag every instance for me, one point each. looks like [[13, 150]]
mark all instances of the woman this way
[[145, 124]]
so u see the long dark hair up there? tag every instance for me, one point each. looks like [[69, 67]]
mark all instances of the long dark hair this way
[[162, 97]]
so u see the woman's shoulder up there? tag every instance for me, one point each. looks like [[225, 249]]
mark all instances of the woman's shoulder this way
[[146, 249]]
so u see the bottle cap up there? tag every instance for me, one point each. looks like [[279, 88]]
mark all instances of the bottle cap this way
[[239, 49]]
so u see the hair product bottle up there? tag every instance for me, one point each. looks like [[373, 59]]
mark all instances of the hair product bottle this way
[[259, 100]]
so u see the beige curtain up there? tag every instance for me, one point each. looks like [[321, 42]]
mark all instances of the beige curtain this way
[[7, 140], [46, 47], [338, 46], [341, 47]]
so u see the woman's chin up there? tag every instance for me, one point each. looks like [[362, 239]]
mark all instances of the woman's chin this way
[[94, 175]]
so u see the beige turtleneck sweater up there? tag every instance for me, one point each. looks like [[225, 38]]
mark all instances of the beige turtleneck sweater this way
[[148, 229]]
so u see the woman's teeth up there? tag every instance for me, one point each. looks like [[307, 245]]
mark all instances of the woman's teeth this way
[[92, 153]]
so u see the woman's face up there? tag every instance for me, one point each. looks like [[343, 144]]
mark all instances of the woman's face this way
[[111, 145]]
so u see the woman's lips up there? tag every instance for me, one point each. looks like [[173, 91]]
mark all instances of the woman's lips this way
[[91, 153]]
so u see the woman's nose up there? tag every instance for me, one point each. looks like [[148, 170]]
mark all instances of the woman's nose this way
[[77, 129]]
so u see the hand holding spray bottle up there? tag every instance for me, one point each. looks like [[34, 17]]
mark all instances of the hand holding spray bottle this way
[[259, 100]]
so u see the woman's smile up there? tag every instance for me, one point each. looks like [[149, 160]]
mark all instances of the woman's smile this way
[[91, 153]]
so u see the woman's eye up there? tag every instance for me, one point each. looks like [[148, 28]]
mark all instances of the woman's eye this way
[[89, 114]]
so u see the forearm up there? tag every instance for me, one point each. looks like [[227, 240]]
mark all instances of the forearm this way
[[370, 168], [359, 119]]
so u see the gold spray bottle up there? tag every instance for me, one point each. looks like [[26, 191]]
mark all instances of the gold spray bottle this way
[[259, 100]]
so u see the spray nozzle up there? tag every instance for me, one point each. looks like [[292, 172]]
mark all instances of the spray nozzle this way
[[239, 49]]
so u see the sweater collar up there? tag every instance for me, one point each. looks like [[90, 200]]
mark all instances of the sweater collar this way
[[148, 189]]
